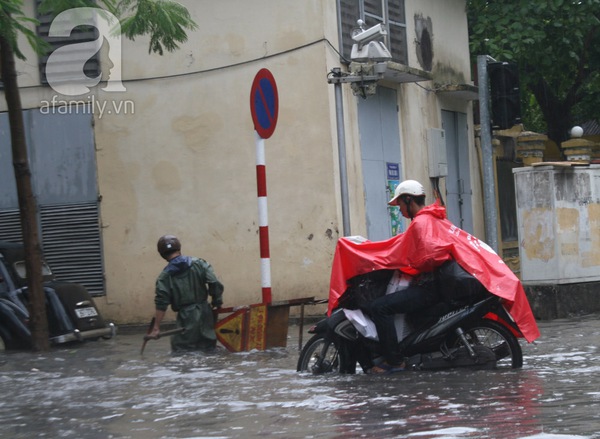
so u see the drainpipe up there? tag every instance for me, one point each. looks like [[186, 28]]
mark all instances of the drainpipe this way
[[489, 187], [339, 110]]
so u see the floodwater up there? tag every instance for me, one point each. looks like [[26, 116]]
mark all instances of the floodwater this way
[[106, 389]]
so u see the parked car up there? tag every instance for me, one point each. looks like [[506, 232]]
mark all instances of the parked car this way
[[72, 313]]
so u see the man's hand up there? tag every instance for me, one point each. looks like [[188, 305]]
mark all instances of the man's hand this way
[[154, 333]]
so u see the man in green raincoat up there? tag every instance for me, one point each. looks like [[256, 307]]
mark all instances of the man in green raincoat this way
[[185, 284]]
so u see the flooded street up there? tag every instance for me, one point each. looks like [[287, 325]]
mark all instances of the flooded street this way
[[107, 389]]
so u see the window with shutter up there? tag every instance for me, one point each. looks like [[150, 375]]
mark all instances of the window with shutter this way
[[71, 68], [389, 12]]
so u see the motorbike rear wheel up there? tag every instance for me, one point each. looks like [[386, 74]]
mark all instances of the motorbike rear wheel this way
[[319, 355], [499, 339]]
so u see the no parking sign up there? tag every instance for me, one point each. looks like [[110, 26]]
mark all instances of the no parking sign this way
[[264, 103]]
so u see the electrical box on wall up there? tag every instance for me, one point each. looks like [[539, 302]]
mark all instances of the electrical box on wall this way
[[438, 161]]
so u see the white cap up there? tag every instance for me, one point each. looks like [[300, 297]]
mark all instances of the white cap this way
[[407, 187]]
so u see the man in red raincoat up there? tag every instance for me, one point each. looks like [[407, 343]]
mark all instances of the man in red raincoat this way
[[429, 241], [410, 198]]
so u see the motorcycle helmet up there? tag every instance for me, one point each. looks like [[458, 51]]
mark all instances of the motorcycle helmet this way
[[407, 187], [168, 244]]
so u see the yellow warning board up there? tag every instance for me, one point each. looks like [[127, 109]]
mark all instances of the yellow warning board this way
[[230, 331], [244, 329], [257, 328]]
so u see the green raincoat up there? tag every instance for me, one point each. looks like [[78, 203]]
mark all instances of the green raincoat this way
[[185, 285]]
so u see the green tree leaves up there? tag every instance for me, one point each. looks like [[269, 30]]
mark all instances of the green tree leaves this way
[[14, 22], [556, 44], [165, 21]]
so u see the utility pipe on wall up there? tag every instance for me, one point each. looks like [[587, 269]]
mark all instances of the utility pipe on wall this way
[[489, 187], [339, 110]]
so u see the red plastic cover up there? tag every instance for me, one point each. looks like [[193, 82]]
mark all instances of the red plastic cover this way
[[428, 242]]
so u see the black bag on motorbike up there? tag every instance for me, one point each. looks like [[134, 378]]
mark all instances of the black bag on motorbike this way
[[457, 285], [364, 288]]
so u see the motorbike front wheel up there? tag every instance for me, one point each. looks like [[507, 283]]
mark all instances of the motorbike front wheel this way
[[500, 340], [319, 355]]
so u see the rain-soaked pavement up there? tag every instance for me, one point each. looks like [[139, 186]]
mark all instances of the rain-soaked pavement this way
[[106, 389]]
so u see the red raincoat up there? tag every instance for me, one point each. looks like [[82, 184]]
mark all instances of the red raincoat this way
[[429, 241]]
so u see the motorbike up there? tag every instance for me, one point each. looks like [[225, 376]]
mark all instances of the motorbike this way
[[472, 330]]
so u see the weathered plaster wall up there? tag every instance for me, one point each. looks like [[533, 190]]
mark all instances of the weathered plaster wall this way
[[558, 211], [420, 106], [185, 164]]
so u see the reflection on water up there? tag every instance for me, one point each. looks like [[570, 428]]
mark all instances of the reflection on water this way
[[107, 390]]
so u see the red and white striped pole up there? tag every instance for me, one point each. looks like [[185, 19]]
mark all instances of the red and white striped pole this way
[[263, 220], [264, 107]]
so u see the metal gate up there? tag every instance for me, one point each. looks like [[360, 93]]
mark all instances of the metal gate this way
[[458, 182], [63, 165], [381, 161]]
